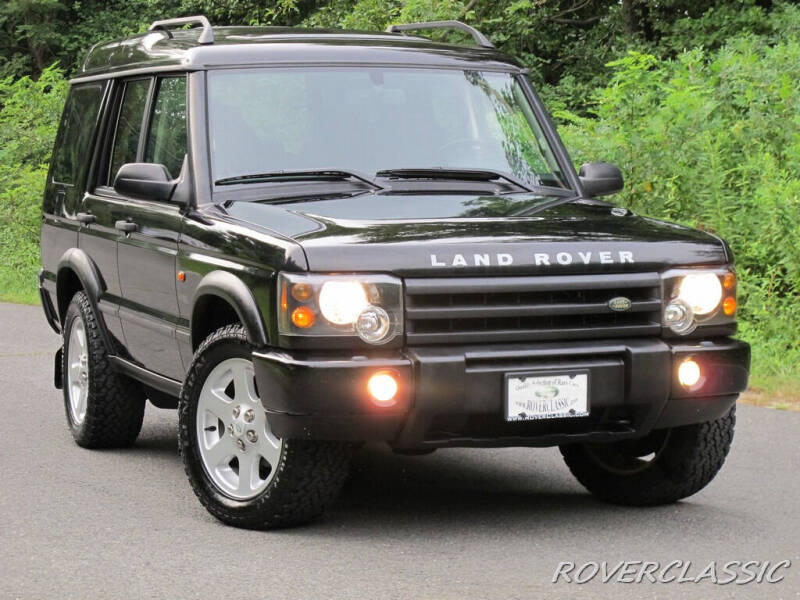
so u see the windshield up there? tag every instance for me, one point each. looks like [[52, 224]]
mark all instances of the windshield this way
[[374, 119]]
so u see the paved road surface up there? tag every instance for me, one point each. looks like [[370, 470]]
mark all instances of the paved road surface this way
[[457, 524]]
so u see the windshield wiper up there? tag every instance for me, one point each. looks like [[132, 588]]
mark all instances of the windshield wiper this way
[[470, 175], [545, 205], [301, 175]]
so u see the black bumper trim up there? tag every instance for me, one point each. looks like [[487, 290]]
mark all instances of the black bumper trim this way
[[452, 396]]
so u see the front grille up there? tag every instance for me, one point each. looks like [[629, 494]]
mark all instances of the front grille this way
[[505, 309]]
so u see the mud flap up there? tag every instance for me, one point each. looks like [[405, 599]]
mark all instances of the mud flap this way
[[57, 375]]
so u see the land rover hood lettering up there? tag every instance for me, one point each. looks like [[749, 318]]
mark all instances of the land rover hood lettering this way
[[504, 259]]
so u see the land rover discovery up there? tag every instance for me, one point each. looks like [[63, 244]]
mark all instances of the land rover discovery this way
[[305, 240]]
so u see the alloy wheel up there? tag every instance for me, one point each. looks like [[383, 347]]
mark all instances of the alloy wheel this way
[[240, 454]]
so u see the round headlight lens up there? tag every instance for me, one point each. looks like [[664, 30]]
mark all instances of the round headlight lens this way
[[678, 317], [701, 291], [373, 325], [340, 302]]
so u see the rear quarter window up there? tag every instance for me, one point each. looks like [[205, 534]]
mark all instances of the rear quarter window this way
[[73, 148]]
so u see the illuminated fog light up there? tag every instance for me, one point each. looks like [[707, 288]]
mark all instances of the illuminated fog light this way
[[689, 373], [342, 301], [383, 388], [678, 317], [373, 325], [701, 291]]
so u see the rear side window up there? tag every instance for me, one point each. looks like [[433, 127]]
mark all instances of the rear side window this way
[[72, 151], [129, 125], [166, 142]]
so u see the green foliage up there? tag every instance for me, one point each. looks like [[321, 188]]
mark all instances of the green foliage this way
[[28, 28], [36, 33], [29, 115], [711, 140]]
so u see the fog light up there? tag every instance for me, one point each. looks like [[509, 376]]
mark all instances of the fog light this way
[[383, 388], [373, 325], [688, 373], [679, 317]]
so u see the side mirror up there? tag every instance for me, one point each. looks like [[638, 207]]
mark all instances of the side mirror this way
[[600, 178], [144, 181]]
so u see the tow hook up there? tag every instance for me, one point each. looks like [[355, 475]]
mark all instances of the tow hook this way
[[57, 375]]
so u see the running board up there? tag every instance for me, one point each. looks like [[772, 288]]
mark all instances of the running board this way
[[147, 377]]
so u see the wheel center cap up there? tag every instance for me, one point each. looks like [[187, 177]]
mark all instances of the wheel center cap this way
[[238, 428]]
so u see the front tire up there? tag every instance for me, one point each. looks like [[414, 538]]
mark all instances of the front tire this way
[[240, 471], [663, 467], [104, 408]]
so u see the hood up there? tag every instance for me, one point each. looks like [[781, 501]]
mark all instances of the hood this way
[[459, 235]]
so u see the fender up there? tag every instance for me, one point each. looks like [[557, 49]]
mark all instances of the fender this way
[[92, 283], [233, 290]]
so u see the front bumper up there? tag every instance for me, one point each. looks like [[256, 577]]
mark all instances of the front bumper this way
[[453, 396]]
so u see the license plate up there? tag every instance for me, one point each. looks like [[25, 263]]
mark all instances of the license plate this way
[[547, 396]]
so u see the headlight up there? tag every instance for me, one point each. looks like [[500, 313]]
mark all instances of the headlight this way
[[701, 291], [342, 301], [698, 297], [369, 307]]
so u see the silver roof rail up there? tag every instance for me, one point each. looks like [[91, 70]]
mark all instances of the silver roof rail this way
[[206, 36], [480, 39]]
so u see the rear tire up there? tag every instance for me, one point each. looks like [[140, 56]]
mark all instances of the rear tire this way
[[104, 408], [224, 433], [683, 461]]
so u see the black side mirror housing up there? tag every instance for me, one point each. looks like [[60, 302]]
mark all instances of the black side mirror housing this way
[[600, 178], [144, 181]]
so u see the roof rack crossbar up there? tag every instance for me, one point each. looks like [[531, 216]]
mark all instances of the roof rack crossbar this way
[[206, 36], [480, 39]]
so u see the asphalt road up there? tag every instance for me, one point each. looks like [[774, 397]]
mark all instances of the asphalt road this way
[[455, 524]]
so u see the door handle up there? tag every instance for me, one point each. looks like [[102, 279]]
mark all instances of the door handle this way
[[85, 218], [126, 226]]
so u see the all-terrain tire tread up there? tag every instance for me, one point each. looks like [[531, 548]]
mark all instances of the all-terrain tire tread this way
[[695, 455], [308, 478], [116, 403]]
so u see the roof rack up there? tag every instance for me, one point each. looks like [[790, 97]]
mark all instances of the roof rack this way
[[480, 39], [206, 36]]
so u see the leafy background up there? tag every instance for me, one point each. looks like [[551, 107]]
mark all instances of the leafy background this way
[[698, 102]]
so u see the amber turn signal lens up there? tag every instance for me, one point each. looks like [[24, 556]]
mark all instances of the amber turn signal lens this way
[[301, 292], [729, 281], [303, 317], [284, 298], [729, 306]]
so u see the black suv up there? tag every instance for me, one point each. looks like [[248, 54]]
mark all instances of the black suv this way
[[305, 240]]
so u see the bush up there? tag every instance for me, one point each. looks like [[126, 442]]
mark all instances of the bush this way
[[712, 140], [29, 115]]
